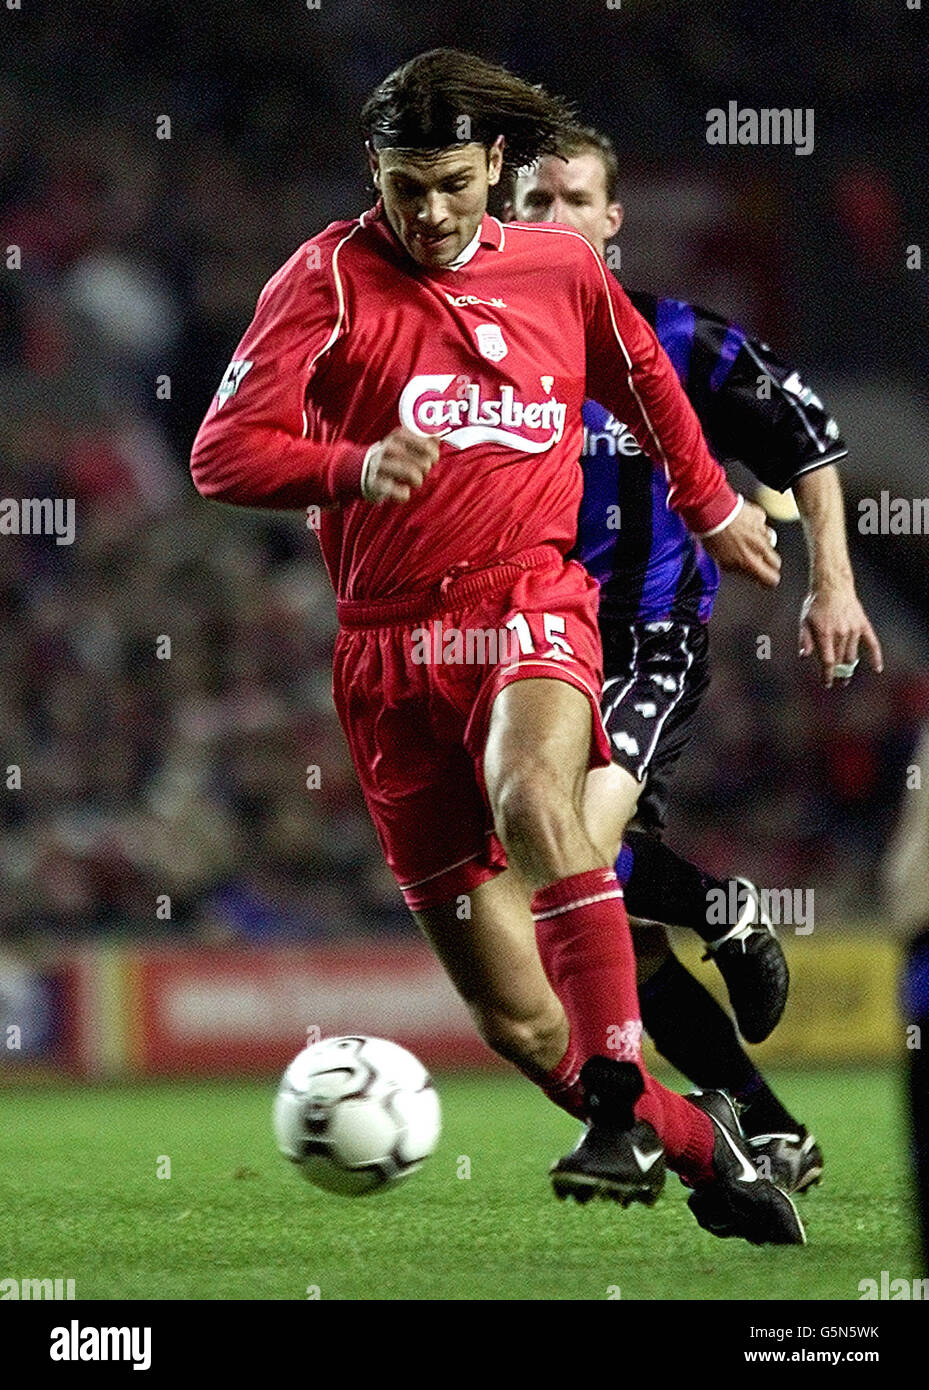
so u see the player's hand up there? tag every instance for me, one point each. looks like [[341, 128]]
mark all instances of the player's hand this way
[[397, 465], [745, 547], [832, 624]]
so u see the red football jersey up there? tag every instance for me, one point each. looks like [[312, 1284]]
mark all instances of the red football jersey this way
[[352, 338]]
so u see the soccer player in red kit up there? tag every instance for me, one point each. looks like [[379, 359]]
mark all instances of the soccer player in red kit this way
[[419, 373]]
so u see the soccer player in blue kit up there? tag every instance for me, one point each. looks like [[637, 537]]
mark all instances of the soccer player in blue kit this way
[[657, 587]]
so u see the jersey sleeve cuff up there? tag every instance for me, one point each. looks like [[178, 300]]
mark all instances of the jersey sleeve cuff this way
[[716, 514], [813, 465], [346, 470]]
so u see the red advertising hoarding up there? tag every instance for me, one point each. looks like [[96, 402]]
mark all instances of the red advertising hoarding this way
[[203, 1010]]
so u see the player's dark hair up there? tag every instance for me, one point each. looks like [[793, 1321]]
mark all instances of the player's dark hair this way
[[446, 97], [583, 139]]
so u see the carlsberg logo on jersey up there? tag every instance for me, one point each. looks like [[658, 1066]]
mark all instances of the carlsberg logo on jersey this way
[[465, 417]]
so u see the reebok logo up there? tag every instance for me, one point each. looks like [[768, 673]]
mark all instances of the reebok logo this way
[[468, 301]]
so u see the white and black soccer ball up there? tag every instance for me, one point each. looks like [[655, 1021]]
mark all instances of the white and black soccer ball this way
[[356, 1114]]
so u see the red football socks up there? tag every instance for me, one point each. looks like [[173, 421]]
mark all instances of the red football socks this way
[[586, 948], [563, 1083]]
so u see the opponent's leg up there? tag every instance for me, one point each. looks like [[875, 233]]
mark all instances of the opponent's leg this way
[[686, 1024], [787, 1156], [658, 673], [691, 1030], [728, 914]]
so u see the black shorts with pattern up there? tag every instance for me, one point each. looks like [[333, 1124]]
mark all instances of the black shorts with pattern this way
[[655, 675]]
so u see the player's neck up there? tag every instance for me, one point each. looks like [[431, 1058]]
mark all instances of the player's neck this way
[[469, 251]]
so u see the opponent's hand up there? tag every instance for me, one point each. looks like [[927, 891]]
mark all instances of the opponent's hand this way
[[744, 547], [397, 465], [832, 623]]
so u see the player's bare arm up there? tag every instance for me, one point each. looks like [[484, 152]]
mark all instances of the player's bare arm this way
[[833, 623]]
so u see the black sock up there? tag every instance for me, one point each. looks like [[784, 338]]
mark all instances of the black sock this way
[[696, 1035], [663, 887], [760, 1111]]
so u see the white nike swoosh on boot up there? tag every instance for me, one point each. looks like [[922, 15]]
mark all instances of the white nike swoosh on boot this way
[[749, 1174], [646, 1161]]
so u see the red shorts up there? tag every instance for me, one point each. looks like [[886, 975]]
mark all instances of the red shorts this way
[[413, 682]]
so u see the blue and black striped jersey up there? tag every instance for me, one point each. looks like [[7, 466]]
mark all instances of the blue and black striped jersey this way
[[753, 409]]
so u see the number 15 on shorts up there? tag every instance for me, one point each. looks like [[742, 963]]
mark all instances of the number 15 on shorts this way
[[553, 638]]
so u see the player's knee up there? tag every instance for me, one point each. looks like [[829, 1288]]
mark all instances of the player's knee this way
[[531, 807]]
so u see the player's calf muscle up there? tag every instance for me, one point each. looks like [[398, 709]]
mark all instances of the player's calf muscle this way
[[493, 962], [536, 1045], [533, 1037]]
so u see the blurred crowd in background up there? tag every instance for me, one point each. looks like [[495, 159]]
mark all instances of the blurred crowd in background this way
[[147, 774]]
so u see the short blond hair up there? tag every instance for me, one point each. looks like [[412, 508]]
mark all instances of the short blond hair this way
[[584, 139]]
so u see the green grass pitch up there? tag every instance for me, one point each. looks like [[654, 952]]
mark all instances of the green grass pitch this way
[[80, 1198]]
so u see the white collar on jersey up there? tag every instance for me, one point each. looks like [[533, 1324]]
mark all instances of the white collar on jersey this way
[[469, 251]]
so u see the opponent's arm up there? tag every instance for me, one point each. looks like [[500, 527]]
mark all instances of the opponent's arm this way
[[751, 405], [756, 409], [832, 620]]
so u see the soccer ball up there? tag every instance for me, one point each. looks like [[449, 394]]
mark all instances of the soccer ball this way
[[356, 1114]]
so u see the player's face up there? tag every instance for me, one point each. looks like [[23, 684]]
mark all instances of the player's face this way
[[435, 205], [571, 191]]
